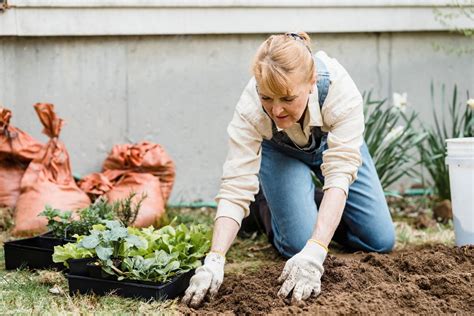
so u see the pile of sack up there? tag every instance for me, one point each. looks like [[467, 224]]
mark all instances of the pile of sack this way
[[34, 175], [144, 168], [17, 150]]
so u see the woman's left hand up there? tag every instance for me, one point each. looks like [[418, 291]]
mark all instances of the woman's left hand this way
[[302, 273]]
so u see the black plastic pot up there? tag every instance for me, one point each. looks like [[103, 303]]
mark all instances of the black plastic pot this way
[[50, 240], [94, 270], [127, 288], [79, 266], [33, 253]]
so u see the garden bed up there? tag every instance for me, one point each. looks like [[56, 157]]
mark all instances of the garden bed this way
[[436, 279]]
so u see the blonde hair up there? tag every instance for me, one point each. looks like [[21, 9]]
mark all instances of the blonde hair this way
[[282, 55]]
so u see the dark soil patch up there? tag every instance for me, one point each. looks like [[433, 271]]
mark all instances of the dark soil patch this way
[[423, 221], [431, 280]]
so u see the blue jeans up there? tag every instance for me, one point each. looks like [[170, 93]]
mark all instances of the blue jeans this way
[[287, 184]]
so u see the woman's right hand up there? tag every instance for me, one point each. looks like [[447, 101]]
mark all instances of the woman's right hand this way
[[207, 279]]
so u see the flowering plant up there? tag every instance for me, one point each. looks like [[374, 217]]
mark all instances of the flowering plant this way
[[433, 150], [390, 136]]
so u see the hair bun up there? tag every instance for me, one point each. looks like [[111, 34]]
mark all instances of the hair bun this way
[[306, 38], [301, 36]]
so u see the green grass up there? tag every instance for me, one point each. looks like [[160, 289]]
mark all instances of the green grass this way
[[203, 215], [25, 292]]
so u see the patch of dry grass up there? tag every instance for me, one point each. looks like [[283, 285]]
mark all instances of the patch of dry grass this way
[[408, 236]]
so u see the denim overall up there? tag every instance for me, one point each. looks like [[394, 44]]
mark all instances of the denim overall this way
[[287, 185], [318, 139]]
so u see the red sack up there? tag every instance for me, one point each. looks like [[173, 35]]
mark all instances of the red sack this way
[[144, 157], [143, 168], [98, 184], [153, 206], [17, 149], [117, 185], [48, 180]]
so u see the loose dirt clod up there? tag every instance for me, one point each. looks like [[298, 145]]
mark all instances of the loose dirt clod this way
[[430, 280], [443, 211], [423, 221]]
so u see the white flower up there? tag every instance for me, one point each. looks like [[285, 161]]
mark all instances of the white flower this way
[[400, 101], [470, 102], [393, 134]]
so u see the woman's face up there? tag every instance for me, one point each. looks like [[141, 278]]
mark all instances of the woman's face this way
[[286, 110]]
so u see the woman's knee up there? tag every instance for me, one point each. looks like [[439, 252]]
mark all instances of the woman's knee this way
[[384, 241], [293, 241]]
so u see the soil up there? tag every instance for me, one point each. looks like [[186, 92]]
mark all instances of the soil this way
[[437, 279], [443, 211], [423, 221]]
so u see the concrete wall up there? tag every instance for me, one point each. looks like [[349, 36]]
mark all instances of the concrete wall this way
[[180, 91]]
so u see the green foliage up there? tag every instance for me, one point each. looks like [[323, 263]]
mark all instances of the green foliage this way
[[71, 251], [172, 251], [62, 225], [433, 149], [463, 10], [127, 211], [111, 241], [389, 142], [145, 254], [58, 221]]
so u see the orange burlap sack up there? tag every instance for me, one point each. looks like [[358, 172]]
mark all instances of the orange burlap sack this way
[[153, 206], [17, 149], [144, 157], [98, 184], [143, 168], [48, 180], [117, 185]]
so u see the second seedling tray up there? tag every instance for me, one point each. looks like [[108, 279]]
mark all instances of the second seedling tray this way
[[33, 253], [134, 289]]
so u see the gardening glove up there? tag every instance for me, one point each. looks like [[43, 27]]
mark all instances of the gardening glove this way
[[208, 278], [302, 273]]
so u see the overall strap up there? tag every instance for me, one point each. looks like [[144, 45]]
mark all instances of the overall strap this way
[[323, 80], [317, 135]]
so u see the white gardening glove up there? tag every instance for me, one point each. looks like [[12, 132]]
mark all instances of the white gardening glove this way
[[208, 278], [302, 273]]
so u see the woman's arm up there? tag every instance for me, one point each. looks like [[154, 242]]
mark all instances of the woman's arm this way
[[329, 215], [302, 273], [225, 231], [237, 190], [240, 171], [209, 277]]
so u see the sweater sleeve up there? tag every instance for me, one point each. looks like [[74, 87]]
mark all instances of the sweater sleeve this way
[[239, 180], [343, 114]]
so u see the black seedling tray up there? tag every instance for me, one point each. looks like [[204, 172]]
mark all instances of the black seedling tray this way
[[127, 288], [50, 241], [79, 266], [33, 253]]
